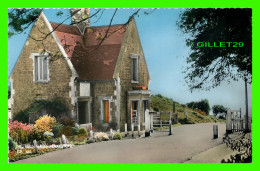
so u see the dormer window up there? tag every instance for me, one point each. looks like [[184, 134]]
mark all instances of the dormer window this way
[[41, 67], [135, 61]]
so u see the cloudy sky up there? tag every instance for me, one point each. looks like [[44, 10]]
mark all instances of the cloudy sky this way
[[165, 51]]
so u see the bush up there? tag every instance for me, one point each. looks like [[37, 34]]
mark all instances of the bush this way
[[67, 130], [55, 106], [117, 136], [68, 122], [83, 132], [21, 133], [45, 123], [56, 129], [75, 130], [11, 144], [101, 136]]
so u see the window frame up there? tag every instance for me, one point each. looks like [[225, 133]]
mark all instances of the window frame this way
[[134, 74], [36, 67]]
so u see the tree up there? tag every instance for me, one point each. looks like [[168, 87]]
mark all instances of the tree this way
[[219, 109], [202, 105], [209, 66]]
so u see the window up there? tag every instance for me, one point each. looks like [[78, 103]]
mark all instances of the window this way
[[41, 73], [105, 111], [134, 58]]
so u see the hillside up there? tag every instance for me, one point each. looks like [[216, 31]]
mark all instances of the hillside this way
[[162, 103]]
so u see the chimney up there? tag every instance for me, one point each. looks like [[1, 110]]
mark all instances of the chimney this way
[[80, 18]]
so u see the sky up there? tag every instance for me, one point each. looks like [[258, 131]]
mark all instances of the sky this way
[[165, 52]]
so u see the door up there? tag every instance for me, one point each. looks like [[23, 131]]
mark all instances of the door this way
[[106, 111], [83, 112]]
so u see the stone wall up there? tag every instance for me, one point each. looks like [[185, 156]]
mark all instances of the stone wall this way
[[103, 90], [25, 90]]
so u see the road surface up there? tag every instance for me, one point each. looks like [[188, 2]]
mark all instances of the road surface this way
[[186, 141]]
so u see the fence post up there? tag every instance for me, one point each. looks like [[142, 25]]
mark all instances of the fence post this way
[[228, 122], [186, 114], [151, 122], [161, 124], [125, 129], [132, 128], [35, 146], [215, 131], [170, 127], [91, 135], [147, 123]]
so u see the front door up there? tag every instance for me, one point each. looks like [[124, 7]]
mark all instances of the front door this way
[[83, 112]]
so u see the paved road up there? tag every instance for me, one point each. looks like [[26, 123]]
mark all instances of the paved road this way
[[186, 141]]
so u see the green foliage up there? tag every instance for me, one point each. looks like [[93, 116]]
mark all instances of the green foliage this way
[[67, 130], [202, 105], [117, 136], [12, 144], [68, 122], [21, 19], [219, 109], [161, 103], [56, 129], [75, 130], [55, 107], [82, 132], [208, 66]]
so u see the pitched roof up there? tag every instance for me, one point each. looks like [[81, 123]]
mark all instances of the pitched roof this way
[[92, 62]]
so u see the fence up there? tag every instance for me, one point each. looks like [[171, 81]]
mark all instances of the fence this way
[[161, 121], [235, 122]]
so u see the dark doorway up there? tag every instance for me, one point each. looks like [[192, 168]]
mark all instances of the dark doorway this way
[[83, 112]]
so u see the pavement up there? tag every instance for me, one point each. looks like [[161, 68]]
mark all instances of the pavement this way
[[189, 143]]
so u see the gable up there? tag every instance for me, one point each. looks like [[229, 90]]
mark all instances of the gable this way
[[131, 46]]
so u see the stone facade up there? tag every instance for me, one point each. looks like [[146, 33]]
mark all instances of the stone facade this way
[[25, 90], [131, 45]]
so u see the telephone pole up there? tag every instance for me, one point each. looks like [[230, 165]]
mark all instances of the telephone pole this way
[[246, 117]]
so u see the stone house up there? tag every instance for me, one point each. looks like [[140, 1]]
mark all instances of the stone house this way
[[101, 84]]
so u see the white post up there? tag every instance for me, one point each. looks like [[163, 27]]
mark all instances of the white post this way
[[139, 133], [151, 122], [186, 114], [132, 127], [35, 146], [215, 131], [125, 129], [91, 135], [170, 127], [228, 122], [147, 123]]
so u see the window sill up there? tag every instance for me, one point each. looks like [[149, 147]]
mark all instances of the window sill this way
[[41, 82], [132, 81]]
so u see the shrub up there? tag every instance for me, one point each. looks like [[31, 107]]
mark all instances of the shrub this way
[[21, 133], [68, 122], [67, 130], [117, 136], [75, 130], [101, 136], [11, 144], [83, 132], [56, 129], [45, 123]]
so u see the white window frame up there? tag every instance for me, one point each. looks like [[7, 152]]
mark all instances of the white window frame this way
[[136, 57], [38, 80]]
